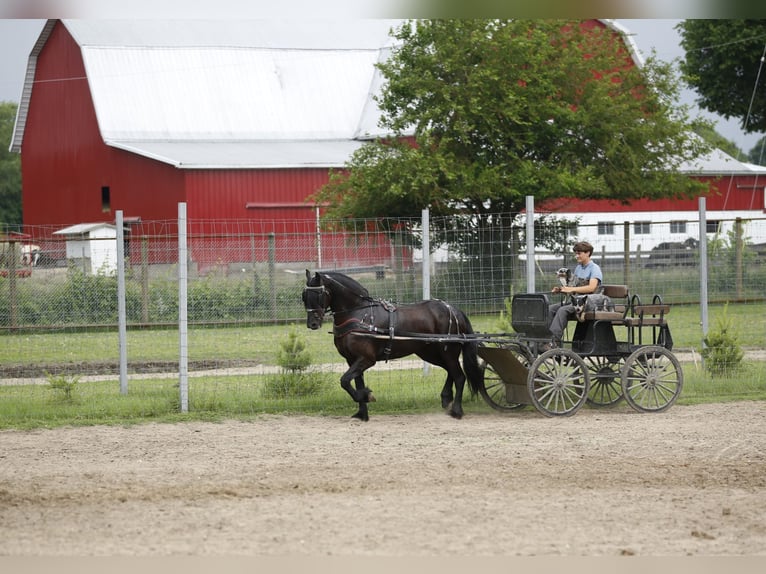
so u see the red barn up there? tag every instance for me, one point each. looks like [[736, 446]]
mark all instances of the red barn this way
[[241, 120]]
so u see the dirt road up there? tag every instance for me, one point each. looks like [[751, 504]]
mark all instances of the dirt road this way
[[691, 481]]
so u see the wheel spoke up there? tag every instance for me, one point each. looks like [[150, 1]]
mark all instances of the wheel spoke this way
[[558, 382], [651, 379]]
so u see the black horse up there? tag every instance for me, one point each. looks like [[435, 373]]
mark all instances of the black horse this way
[[368, 330]]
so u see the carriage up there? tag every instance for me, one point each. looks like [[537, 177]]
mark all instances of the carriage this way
[[621, 353], [625, 353]]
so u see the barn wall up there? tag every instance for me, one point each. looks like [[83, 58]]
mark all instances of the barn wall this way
[[65, 163], [263, 195], [256, 203]]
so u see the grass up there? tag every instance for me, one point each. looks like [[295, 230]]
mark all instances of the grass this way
[[259, 343], [215, 397]]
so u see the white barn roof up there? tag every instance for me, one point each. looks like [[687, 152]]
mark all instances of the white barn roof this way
[[237, 94]]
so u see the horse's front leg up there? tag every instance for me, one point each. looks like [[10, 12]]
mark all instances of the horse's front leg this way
[[360, 394], [362, 414]]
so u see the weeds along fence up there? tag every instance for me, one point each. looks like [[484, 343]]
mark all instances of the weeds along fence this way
[[59, 285]]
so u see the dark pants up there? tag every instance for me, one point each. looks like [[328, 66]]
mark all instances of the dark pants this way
[[558, 316]]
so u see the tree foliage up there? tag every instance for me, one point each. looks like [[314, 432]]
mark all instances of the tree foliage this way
[[757, 155], [10, 169], [496, 110], [723, 64], [718, 141]]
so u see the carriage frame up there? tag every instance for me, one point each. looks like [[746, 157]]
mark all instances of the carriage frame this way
[[624, 354]]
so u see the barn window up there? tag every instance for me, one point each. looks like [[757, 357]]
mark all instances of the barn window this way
[[713, 226], [106, 202], [642, 227], [606, 227], [677, 227]]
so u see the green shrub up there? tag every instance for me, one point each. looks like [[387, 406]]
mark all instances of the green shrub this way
[[292, 355], [296, 378], [722, 352], [66, 385]]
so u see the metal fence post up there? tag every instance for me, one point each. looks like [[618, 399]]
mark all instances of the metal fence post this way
[[121, 313], [530, 244], [703, 268], [183, 320], [273, 273]]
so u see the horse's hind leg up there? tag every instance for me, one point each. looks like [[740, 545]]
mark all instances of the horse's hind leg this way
[[446, 394], [456, 409], [454, 375]]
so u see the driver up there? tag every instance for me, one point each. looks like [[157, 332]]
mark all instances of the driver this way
[[587, 278]]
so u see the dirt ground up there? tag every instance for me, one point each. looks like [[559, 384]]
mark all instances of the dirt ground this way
[[691, 481]]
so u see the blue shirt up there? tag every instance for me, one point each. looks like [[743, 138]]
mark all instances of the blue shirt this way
[[583, 274]]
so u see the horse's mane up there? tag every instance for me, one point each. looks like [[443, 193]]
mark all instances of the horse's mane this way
[[347, 282]]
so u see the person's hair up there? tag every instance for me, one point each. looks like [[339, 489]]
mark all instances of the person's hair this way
[[583, 246]]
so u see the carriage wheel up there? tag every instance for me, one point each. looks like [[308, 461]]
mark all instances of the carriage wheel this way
[[558, 382], [495, 390], [652, 379], [605, 381]]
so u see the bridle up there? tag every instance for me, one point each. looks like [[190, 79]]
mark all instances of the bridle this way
[[323, 301]]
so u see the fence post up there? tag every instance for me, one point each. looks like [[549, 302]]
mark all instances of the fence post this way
[[145, 279], [530, 244], [272, 274], [626, 253], [12, 288], [121, 313], [426, 271], [738, 254], [703, 268], [183, 318]]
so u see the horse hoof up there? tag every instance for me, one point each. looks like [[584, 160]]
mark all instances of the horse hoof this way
[[455, 415], [361, 416], [371, 398]]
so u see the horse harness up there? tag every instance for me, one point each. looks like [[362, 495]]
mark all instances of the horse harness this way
[[366, 325]]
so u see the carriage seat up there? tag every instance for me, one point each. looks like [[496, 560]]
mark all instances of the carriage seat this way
[[653, 315], [620, 295]]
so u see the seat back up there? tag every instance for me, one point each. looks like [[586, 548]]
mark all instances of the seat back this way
[[620, 296]]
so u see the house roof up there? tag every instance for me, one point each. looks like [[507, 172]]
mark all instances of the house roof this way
[[206, 94], [83, 228], [718, 162]]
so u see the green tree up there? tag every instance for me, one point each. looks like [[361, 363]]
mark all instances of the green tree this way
[[716, 140], [499, 110], [723, 63], [757, 155], [10, 169]]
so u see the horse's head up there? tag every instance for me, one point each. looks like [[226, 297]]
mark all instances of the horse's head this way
[[316, 299]]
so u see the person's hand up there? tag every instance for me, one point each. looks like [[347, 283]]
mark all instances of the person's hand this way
[[556, 289]]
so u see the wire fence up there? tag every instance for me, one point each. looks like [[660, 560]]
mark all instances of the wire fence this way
[[59, 309]]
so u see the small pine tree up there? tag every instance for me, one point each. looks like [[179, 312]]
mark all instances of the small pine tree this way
[[64, 384], [722, 353], [296, 380], [293, 355]]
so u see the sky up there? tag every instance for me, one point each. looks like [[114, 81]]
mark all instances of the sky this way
[[17, 37]]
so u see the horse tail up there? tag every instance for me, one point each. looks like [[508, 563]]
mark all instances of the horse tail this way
[[473, 372]]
